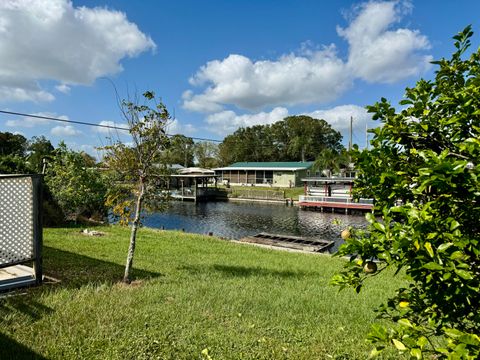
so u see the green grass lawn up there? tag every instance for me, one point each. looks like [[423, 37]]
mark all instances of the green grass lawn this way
[[293, 193], [290, 193], [191, 293]]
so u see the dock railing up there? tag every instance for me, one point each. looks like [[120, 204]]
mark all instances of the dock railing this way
[[331, 199]]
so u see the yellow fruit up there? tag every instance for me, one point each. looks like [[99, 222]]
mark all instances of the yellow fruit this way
[[345, 234], [370, 267]]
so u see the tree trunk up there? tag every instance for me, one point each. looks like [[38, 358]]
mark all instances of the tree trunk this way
[[303, 153], [133, 233]]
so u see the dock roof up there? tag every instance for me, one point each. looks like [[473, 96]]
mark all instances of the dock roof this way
[[269, 165]]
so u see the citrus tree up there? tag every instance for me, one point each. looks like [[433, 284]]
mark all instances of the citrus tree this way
[[423, 172]]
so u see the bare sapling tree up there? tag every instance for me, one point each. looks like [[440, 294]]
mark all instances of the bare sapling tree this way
[[137, 171]]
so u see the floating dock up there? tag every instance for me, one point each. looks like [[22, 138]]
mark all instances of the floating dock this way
[[325, 203], [289, 242]]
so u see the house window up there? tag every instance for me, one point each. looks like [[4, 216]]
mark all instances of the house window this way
[[269, 177]]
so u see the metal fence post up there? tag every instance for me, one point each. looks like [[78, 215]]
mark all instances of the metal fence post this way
[[37, 188]]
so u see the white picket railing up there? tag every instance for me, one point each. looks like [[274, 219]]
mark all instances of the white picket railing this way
[[331, 199]]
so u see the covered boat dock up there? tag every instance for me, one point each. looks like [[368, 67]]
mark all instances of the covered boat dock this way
[[193, 184]]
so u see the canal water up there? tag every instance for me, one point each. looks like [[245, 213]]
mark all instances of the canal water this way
[[234, 220]]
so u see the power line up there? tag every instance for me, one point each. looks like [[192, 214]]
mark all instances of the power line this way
[[101, 125], [90, 124]]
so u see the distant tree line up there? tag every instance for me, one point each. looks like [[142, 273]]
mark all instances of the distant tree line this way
[[76, 186], [182, 150], [295, 138]]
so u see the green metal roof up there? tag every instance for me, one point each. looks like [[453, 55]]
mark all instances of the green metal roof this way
[[293, 165]]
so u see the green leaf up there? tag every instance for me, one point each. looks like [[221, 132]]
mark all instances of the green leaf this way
[[454, 224], [464, 274], [416, 353], [428, 246], [399, 345], [444, 247], [453, 333], [433, 266], [456, 255], [417, 245], [370, 218], [422, 341], [378, 332], [379, 226], [405, 322]]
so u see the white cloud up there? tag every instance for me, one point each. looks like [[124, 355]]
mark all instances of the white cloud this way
[[112, 129], [289, 80], [21, 89], [339, 117], [63, 88], [175, 127], [53, 40], [28, 122], [377, 53], [227, 122], [67, 130]]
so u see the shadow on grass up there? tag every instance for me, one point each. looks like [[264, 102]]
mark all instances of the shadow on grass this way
[[74, 270], [10, 349], [244, 271], [24, 305]]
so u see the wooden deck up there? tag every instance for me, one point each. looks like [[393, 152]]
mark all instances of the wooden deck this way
[[16, 276], [289, 242]]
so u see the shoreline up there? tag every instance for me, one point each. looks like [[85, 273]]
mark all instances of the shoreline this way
[[294, 202]]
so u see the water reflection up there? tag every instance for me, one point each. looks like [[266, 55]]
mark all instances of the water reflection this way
[[234, 220]]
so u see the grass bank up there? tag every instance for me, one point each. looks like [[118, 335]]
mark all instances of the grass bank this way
[[288, 193], [191, 293]]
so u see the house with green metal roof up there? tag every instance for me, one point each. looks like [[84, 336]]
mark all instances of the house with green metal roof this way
[[276, 174]]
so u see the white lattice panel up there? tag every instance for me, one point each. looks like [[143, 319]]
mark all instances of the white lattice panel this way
[[16, 220]]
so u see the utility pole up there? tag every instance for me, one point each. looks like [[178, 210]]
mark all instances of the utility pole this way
[[350, 144]]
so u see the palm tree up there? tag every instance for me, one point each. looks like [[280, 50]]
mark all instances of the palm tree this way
[[332, 161]]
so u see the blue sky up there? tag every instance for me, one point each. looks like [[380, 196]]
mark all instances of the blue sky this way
[[217, 65]]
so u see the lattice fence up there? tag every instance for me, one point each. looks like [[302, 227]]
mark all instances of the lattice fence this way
[[20, 223]]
